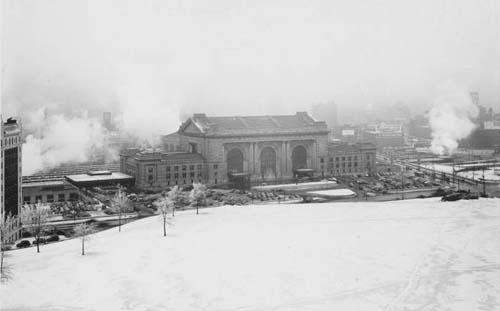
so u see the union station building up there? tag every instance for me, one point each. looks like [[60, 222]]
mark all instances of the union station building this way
[[241, 149]]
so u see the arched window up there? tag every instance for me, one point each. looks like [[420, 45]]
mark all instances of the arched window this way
[[299, 157], [235, 161], [268, 162]]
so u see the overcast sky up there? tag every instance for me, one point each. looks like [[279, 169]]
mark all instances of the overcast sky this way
[[245, 57]]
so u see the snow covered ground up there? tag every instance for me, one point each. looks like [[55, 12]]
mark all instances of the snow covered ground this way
[[402, 255]]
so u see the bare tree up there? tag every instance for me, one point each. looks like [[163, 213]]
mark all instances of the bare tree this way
[[82, 231], [6, 226], [35, 217], [198, 194], [120, 204], [175, 194], [164, 205]]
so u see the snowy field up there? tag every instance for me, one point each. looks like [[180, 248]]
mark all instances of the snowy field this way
[[403, 255]]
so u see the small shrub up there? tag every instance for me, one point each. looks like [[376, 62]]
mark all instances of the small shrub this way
[[23, 244], [53, 238]]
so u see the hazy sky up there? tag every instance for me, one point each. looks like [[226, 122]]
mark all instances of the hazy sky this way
[[245, 57]]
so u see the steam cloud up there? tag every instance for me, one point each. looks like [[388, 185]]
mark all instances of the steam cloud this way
[[450, 119], [143, 110], [58, 139]]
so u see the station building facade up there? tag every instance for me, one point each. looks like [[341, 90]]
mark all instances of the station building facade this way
[[262, 148]]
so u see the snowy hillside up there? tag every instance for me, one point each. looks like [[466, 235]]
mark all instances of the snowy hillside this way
[[409, 255]]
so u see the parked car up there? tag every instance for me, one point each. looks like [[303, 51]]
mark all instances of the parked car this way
[[452, 197], [23, 244]]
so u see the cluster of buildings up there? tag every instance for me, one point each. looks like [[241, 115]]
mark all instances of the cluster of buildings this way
[[231, 151], [246, 149]]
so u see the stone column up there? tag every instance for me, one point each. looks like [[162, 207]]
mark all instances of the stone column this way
[[314, 156], [283, 160]]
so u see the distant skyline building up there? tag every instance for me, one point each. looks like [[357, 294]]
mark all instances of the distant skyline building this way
[[327, 112]]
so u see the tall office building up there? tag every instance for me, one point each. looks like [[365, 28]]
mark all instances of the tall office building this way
[[11, 172]]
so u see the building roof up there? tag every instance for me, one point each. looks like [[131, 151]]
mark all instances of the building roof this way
[[11, 127], [89, 178], [236, 125], [44, 183], [160, 155], [351, 147]]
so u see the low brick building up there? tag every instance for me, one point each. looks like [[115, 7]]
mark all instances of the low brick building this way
[[157, 170], [348, 159], [49, 191]]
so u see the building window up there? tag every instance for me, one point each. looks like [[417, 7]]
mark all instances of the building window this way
[[183, 175], [61, 197], [27, 200], [176, 175], [215, 180], [331, 159], [200, 174], [168, 176], [168, 168], [176, 168], [50, 198], [191, 174], [184, 167], [191, 167], [38, 198], [184, 181], [215, 174], [216, 166]]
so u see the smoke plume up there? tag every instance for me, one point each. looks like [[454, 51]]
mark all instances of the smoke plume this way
[[451, 119], [57, 139]]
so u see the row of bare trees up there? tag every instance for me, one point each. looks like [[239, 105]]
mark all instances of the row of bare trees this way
[[34, 218], [169, 201]]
